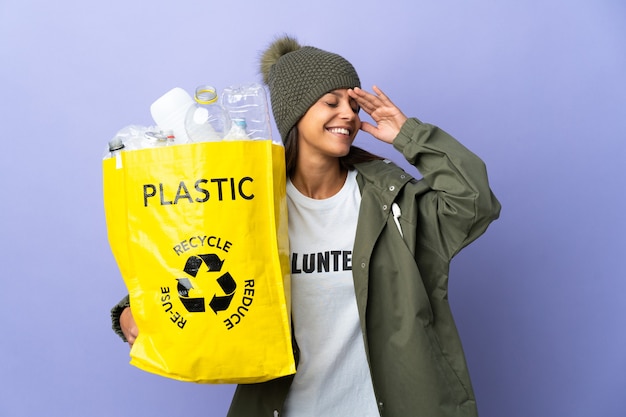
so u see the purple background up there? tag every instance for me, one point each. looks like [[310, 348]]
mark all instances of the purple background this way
[[536, 88]]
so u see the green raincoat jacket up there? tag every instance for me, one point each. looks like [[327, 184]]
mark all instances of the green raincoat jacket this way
[[401, 281]]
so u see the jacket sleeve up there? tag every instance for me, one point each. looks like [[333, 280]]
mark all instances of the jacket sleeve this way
[[116, 312], [459, 204]]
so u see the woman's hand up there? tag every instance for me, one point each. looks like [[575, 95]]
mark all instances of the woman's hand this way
[[128, 325], [388, 117]]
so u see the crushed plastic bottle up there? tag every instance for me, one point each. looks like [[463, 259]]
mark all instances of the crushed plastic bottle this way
[[136, 137], [249, 102], [206, 121]]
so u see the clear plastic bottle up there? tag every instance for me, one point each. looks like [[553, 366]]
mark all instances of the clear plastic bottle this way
[[126, 139], [249, 102], [207, 121], [116, 146]]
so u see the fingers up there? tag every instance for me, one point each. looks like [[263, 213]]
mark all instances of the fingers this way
[[129, 326], [387, 116], [368, 128], [370, 103], [367, 101], [382, 96], [379, 96], [131, 336]]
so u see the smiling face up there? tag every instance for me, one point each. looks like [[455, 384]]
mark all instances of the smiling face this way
[[329, 127]]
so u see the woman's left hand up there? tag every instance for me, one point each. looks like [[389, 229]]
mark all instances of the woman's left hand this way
[[388, 117]]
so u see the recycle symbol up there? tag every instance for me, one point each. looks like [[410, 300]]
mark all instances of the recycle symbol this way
[[225, 281]]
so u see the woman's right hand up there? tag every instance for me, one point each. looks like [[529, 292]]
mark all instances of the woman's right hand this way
[[388, 117], [128, 325]]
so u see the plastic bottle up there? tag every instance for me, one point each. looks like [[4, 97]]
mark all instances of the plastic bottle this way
[[116, 145], [126, 139], [249, 102], [207, 121], [170, 110]]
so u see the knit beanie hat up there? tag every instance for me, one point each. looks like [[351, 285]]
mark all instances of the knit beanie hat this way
[[297, 76]]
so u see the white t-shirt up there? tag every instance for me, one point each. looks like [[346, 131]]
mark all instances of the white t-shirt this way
[[333, 378]]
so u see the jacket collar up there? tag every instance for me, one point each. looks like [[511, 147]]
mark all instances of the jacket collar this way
[[386, 177]]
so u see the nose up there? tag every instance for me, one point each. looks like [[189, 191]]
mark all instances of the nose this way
[[346, 111], [348, 115]]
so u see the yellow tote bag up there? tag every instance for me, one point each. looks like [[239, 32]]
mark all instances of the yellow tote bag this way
[[199, 232]]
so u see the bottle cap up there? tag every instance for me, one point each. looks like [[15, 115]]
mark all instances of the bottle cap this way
[[116, 144], [240, 122]]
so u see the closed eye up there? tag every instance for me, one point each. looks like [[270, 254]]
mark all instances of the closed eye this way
[[355, 108]]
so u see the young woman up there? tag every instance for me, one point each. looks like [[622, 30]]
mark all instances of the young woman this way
[[373, 332]]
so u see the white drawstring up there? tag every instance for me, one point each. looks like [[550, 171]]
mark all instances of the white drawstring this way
[[395, 209]]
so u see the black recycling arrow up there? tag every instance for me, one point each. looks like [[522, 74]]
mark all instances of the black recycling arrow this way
[[193, 305], [212, 261], [228, 285]]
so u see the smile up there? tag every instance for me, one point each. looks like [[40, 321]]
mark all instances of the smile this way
[[339, 130]]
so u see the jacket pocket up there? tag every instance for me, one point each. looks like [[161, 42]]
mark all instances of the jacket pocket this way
[[458, 389]]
